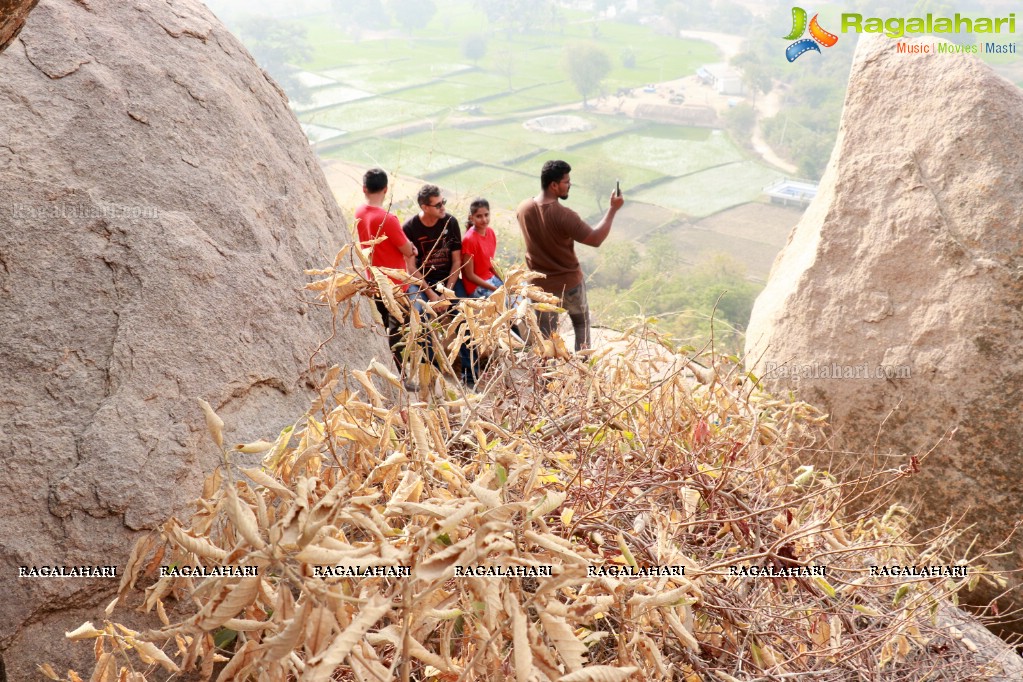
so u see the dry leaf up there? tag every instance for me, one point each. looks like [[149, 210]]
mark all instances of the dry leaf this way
[[214, 424], [600, 673]]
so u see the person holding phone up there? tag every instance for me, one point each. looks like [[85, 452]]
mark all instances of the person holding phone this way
[[550, 231]]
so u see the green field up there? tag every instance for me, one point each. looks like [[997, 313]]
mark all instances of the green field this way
[[370, 114], [416, 123], [483, 145], [503, 187], [662, 150], [398, 156], [712, 190]]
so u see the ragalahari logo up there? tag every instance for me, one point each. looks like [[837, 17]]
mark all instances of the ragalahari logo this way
[[818, 35]]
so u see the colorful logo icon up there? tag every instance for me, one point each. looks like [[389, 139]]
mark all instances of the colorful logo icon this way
[[817, 35]]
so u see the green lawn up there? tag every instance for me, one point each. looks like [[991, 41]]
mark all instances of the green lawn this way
[[394, 74], [602, 126], [425, 77], [487, 82], [332, 96], [445, 93], [479, 144], [398, 156], [503, 187], [593, 177], [383, 64], [670, 150], [701, 194], [515, 103], [369, 114]]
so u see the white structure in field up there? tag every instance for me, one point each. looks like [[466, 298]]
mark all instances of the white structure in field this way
[[786, 191], [723, 78]]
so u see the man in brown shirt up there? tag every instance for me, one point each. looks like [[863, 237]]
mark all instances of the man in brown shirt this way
[[550, 231]]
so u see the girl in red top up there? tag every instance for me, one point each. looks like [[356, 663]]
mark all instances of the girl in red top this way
[[477, 278], [478, 247]]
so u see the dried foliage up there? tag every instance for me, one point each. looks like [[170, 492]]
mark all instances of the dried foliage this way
[[615, 458]]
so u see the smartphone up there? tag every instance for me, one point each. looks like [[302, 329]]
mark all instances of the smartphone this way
[[618, 188]]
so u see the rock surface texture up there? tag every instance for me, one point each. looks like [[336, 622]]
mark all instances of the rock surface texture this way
[[12, 17], [158, 204], [911, 260]]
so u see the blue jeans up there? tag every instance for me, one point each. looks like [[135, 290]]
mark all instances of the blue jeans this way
[[467, 355], [480, 292], [418, 300], [416, 297]]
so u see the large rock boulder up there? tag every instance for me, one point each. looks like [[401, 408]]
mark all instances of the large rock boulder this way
[[896, 303], [158, 204], [13, 14]]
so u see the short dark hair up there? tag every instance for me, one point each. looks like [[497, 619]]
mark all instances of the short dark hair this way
[[425, 193], [375, 180], [553, 171]]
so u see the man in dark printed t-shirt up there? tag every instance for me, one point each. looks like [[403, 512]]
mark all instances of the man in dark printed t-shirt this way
[[438, 241]]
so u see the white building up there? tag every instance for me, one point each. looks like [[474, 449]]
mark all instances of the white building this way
[[725, 79]]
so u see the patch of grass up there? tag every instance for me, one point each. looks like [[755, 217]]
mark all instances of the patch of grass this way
[[445, 93], [603, 125], [489, 83], [654, 149], [637, 220], [477, 144], [514, 103], [701, 194], [369, 114], [593, 176], [394, 74], [699, 245], [332, 48], [501, 186], [397, 156], [333, 95], [536, 58]]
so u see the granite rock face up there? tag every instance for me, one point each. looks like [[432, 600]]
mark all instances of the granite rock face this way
[[12, 17], [158, 204], [905, 279]]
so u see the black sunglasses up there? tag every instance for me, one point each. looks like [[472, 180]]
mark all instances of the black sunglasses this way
[[442, 202]]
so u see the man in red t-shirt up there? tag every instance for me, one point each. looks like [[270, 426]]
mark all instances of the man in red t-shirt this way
[[373, 221], [550, 231]]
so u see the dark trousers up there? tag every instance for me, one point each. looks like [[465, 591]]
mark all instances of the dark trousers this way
[[573, 301], [393, 328]]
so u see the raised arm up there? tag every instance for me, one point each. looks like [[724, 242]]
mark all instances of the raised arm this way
[[602, 229]]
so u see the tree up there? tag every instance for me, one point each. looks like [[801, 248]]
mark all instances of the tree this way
[[368, 14], [505, 66], [413, 14], [678, 14], [616, 264], [740, 120], [474, 47], [598, 175], [276, 45], [587, 66], [628, 58], [520, 16], [755, 75]]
